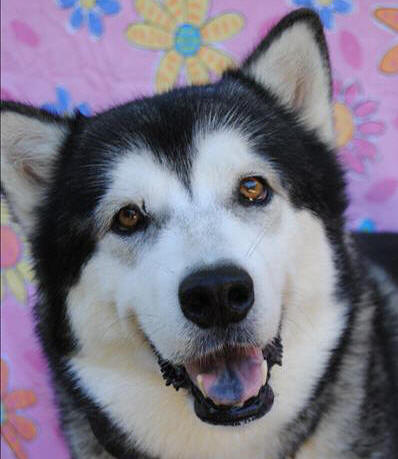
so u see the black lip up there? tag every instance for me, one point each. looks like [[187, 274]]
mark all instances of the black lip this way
[[254, 408], [207, 411]]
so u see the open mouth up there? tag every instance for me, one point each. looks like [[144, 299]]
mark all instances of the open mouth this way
[[230, 386]]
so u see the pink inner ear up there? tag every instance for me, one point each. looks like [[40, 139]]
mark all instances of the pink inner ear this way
[[29, 172], [300, 93]]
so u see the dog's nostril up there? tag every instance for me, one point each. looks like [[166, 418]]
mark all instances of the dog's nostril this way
[[238, 296], [216, 297], [198, 301], [195, 302]]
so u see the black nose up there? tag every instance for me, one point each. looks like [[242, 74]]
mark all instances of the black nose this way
[[216, 297]]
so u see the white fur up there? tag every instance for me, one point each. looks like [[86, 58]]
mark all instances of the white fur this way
[[117, 297], [293, 69]]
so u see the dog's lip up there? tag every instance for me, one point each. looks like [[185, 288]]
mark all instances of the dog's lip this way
[[246, 405], [254, 408], [207, 411]]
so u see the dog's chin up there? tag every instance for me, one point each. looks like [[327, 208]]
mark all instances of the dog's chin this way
[[229, 387]]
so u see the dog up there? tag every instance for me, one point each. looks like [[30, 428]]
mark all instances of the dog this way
[[198, 293]]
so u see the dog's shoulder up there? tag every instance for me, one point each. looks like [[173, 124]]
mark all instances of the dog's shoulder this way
[[381, 249], [380, 253], [380, 258]]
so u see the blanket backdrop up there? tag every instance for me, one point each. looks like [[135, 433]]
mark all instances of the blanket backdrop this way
[[87, 55]]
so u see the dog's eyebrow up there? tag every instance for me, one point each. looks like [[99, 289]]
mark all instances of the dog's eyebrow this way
[[245, 157], [136, 176]]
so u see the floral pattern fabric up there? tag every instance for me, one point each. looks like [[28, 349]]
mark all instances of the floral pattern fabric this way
[[89, 12], [14, 427], [86, 55], [327, 9], [181, 28]]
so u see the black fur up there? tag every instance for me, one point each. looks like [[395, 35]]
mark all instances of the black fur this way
[[382, 249]]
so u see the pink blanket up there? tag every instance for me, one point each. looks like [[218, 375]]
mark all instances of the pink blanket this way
[[89, 54]]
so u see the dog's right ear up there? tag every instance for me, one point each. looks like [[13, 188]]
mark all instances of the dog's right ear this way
[[292, 62], [31, 139]]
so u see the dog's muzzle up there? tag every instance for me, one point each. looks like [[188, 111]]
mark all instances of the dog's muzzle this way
[[230, 386]]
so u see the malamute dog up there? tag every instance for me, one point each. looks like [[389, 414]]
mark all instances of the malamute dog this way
[[199, 296]]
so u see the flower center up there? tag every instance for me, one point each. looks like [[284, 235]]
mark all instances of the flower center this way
[[10, 247], [325, 2], [187, 40], [344, 124], [88, 4], [3, 414]]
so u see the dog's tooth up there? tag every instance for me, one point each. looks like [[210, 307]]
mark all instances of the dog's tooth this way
[[199, 380], [264, 370]]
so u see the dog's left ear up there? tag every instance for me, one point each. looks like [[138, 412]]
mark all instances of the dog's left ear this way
[[31, 140], [293, 63]]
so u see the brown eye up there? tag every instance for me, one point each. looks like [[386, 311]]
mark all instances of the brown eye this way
[[128, 219], [254, 190]]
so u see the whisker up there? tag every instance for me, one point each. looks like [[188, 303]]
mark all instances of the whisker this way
[[256, 243]]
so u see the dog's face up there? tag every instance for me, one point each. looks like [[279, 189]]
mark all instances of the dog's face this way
[[184, 228]]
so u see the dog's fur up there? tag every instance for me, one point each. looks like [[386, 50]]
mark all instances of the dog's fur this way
[[108, 304]]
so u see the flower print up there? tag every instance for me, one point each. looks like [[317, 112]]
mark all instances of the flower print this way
[[389, 17], [326, 9], [355, 126], [367, 225], [63, 106], [15, 270], [90, 12], [181, 29], [14, 427], [382, 190]]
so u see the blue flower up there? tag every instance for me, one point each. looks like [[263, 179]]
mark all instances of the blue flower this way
[[63, 105], [368, 225], [326, 9], [90, 12]]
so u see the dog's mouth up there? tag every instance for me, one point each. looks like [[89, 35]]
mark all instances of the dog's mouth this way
[[230, 386]]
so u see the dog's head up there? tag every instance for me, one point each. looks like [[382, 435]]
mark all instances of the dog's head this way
[[185, 227]]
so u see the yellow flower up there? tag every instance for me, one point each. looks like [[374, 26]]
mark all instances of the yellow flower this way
[[182, 29], [15, 270]]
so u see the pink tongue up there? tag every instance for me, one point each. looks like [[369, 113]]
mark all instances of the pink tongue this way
[[229, 379]]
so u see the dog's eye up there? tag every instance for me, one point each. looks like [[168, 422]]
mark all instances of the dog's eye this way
[[128, 219], [254, 190]]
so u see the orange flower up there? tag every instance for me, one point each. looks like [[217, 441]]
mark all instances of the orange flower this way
[[13, 426], [389, 17], [15, 269]]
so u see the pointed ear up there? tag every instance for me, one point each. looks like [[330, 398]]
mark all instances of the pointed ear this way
[[293, 63], [30, 141]]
